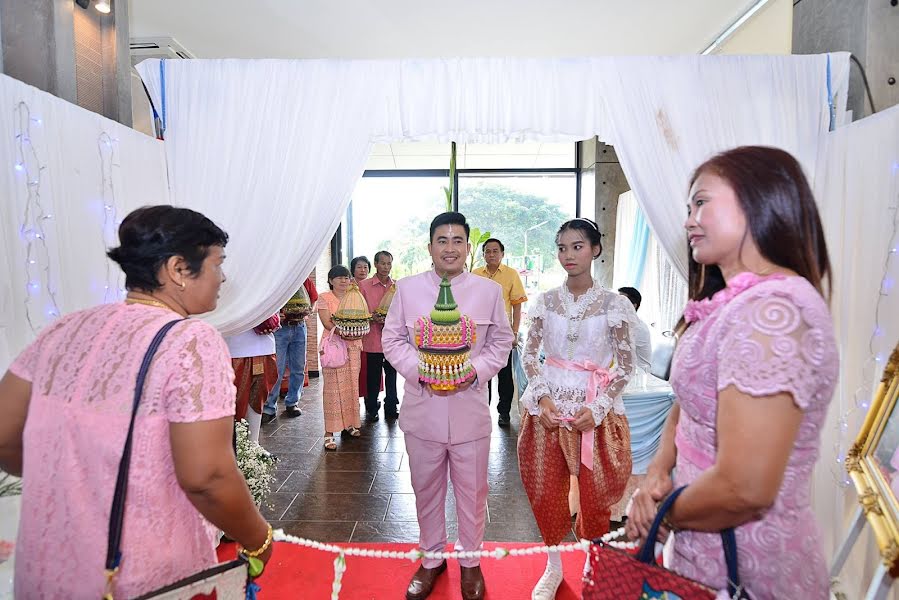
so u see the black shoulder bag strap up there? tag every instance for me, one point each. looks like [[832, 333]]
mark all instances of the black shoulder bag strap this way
[[728, 541], [117, 513]]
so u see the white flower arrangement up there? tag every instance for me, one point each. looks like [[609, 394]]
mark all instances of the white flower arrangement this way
[[255, 462], [10, 485]]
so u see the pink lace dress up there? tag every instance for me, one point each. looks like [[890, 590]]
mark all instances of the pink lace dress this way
[[764, 336], [83, 368]]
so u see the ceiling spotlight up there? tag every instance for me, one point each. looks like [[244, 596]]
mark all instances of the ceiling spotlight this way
[[102, 6], [83, 3]]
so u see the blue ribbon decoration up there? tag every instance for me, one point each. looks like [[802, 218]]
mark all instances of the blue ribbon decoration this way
[[830, 104], [252, 589], [162, 93]]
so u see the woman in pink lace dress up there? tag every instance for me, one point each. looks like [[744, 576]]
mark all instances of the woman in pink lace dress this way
[[65, 404], [754, 372]]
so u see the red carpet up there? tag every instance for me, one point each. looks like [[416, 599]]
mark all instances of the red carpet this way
[[299, 572]]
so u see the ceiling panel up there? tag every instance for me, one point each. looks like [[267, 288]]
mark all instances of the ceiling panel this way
[[412, 28]]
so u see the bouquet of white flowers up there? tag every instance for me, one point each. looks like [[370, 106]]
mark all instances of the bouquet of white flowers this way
[[9, 485], [255, 462]]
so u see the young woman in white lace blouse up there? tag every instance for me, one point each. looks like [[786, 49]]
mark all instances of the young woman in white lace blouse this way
[[575, 423]]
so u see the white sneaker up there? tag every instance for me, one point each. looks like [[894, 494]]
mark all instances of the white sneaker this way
[[548, 585]]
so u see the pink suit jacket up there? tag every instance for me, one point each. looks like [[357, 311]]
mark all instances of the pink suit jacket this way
[[461, 416]]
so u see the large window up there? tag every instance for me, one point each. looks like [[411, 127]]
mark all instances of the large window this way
[[523, 211], [520, 193], [393, 214]]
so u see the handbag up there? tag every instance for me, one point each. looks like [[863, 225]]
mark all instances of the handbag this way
[[617, 575], [227, 581], [333, 351], [273, 323], [662, 355]]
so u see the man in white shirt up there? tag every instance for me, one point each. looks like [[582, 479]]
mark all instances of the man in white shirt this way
[[640, 334]]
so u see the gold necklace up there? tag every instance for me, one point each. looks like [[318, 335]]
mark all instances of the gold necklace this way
[[149, 302]]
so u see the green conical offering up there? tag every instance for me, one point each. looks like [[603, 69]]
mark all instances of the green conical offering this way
[[445, 312]]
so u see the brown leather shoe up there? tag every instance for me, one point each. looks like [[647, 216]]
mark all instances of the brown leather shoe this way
[[423, 581], [472, 583]]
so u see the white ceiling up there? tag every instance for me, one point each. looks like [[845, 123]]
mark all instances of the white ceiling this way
[[427, 28]]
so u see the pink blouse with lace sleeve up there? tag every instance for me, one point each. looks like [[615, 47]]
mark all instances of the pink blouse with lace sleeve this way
[[764, 336], [774, 345], [83, 368]]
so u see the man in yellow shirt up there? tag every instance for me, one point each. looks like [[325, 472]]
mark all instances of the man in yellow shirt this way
[[514, 296]]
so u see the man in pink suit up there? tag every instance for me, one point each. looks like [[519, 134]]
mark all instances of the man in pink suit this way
[[448, 431]]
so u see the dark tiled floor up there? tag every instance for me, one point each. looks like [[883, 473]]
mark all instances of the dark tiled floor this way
[[363, 493]]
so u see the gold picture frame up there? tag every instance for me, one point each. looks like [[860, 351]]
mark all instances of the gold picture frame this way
[[873, 465]]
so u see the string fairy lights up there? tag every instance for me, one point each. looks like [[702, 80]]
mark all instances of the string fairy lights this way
[[879, 346], [39, 286], [107, 146]]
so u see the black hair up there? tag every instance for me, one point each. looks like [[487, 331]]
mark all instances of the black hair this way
[[338, 271], [586, 227], [381, 253], [449, 218], [151, 235], [501, 247], [356, 261], [633, 294]]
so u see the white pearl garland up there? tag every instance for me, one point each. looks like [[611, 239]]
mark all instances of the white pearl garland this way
[[618, 533], [417, 554]]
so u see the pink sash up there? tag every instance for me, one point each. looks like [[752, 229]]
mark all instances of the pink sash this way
[[599, 379], [691, 453]]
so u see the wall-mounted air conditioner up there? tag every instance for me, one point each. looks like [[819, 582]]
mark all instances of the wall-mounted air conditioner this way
[[157, 47]]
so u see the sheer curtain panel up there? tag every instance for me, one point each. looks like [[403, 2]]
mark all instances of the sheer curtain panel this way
[[271, 149], [669, 114]]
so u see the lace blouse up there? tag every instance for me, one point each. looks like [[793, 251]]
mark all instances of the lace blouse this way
[[596, 328], [82, 369]]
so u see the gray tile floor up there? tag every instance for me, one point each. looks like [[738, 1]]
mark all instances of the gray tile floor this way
[[363, 493]]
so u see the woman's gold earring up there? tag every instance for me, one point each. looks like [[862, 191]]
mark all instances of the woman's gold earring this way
[[182, 285]]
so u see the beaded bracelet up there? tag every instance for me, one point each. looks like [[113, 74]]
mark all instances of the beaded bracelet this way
[[263, 548], [669, 525], [665, 521]]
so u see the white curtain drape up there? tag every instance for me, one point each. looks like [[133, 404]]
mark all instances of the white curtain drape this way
[[669, 114], [67, 176], [857, 189], [271, 149]]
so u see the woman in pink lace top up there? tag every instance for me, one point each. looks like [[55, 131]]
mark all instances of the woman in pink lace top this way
[[754, 372], [65, 404]]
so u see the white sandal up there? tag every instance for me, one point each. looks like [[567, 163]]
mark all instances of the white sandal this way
[[330, 444], [548, 584], [354, 431]]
